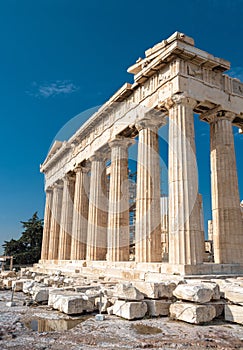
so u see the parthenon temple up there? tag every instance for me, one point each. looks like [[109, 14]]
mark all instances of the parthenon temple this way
[[87, 221]]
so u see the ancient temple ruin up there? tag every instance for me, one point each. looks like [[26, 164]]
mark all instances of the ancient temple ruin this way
[[86, 223]]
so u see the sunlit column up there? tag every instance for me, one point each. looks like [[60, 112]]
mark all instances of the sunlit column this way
[[47, 225], [185, 235], [55, 221], [80, 214], [65, 235], [97, 219]]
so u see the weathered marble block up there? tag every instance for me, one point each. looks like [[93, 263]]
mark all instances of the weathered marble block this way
[[129, 310], [158, 307], [192, 313], [233, 313], [234, 293], [74, 304], [126, 291], [194, 292], [155, 290]]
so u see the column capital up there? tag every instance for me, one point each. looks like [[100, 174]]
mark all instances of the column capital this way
[[98, 156], [218, 113], [83, 169], [121, 141], [58, 185], [179, 99], [49, 189], [69, 177]]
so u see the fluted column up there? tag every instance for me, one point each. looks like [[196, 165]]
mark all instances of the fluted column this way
[[47, 225], [227, 221], [97, 222], [55, 221], [80, 214], [118, 214], [185, 236], [148, 247], [65, 235]]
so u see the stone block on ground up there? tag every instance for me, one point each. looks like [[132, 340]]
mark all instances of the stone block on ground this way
[[193, 292], [28, 285], [234, 293], [17, 285], [155, 290], [126, 291], [208, 284], [192, 313], [130, 310], [8, 274], [41, 295], [74, 304], [105, 303], [57, 293], [7, 283], [233, 313], [219, 307], [158, 307]]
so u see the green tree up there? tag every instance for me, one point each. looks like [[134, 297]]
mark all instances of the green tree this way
[[27, 249]]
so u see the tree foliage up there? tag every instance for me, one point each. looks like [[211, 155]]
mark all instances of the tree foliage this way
[[27, 249]]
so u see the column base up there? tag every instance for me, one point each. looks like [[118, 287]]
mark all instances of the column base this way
[[130, 270]]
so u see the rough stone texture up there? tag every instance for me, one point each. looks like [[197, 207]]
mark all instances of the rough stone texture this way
[[219, 307], [7, 283], [28, 285], [74, 304], [8, 274], [41, 295], [233, 313], [130, 310], [158, 307], [156, 290], [211, 285], [194, 292], [192, 313], [105, 304], [234, 293], [126, 291]]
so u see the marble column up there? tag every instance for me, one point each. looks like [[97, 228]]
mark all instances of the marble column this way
[[118, 214], [227, 221], [80, 214], [97, 219], [148, 246], [47, 225], [55, 221], [65, 235], [185, 236]]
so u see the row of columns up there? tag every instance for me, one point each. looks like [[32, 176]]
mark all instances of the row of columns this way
[[82, 223]]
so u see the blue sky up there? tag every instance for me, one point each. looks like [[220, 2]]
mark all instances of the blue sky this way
[[61, 57]]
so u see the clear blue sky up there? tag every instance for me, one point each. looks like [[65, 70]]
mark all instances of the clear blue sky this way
[[61, 57]]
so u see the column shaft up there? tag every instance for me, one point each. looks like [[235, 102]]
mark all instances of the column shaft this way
[[66, 218], [55, 221], [118, 215], [148, 214], [47, 225], [80, 214], [185, 236], [227, 221], [97, 223]]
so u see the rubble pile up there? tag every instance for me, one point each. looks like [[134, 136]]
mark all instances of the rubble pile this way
[[193, 301]]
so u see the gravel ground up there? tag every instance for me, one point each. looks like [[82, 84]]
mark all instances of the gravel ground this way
[[113, 333]]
